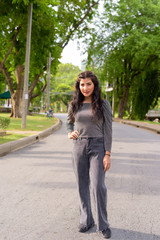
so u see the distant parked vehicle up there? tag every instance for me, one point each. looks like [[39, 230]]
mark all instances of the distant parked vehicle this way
[[153, 114]]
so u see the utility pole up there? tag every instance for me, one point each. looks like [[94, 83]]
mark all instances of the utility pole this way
[[48, 80], [26, 74], [113, 101]]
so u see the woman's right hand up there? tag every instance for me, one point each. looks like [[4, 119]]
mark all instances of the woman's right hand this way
[[73, 135]]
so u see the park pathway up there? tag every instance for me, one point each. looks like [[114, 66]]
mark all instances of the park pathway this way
[[38, 197]]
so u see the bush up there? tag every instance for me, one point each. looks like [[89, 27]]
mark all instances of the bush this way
[[4, 122]]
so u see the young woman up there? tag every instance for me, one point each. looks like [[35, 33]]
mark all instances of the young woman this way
[[89, 124]]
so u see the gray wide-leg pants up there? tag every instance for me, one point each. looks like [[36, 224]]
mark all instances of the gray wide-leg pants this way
[[88, 154]]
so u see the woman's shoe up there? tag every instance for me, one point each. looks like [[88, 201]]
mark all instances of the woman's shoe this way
[[106, 233], [83, 228]]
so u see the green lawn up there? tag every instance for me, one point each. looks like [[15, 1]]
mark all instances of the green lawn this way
[[37, 122], [11, 137]]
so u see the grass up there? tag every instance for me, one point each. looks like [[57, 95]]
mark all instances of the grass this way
[[151, 122], [37, 122], [12, 137]]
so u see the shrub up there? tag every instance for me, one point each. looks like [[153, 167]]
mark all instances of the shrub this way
[[4, 122]]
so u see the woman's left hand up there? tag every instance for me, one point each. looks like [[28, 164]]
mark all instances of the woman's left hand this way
[[106, 162]]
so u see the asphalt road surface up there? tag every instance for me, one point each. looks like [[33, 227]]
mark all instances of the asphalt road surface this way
[[38, 196]]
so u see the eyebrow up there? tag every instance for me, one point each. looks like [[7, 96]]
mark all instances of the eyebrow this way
[[86, 82]]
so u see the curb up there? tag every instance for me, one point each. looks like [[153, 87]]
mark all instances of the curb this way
[[26, 141], [154, 128]]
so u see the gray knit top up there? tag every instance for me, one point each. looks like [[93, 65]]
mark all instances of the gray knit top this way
[[91, 127]]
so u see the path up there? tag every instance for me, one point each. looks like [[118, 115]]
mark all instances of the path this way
[[38, 197]]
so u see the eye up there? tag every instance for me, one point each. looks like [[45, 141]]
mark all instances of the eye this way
[[82, 85]]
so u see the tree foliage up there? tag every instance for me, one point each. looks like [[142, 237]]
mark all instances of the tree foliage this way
[[61, 87], [126, 44], [63, 83], [147, 93], [54, 23], [66, 74]]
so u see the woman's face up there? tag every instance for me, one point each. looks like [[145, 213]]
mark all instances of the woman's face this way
[[86, 87]]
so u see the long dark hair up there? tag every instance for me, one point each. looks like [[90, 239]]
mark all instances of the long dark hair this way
[[78, 97]]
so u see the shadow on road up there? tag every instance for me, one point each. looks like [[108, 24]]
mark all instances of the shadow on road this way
[[135, 173], [124, 234], [132, 235]]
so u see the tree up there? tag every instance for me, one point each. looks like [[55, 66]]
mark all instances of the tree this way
[[66, 73], [127, 43], [51, 19], [147, 93], [2, 83], [62, 84]]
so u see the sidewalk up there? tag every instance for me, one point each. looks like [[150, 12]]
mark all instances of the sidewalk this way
[[148, 126], [38, 192]]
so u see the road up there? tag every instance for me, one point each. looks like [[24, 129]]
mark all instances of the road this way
[[38, 196]]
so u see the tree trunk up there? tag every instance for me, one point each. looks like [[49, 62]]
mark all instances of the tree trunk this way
[[123, 103], [31, 89], [16, 111], [17, 97]]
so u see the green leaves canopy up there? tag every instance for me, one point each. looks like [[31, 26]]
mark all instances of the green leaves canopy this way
[[126, 44], [54, 23], [63, 83]]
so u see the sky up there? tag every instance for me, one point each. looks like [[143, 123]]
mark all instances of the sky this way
[[71, 54]]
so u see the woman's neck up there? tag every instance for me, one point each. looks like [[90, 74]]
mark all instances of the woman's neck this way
[[87, 100]]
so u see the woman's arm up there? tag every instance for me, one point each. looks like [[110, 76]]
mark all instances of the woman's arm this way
[[107, 112], [70, 127], [106, 161], [107, 126]]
